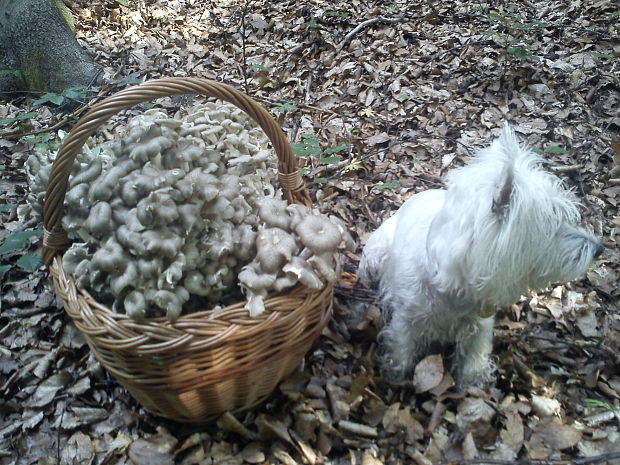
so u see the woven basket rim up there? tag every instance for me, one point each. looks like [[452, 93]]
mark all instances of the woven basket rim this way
[[193, 331]]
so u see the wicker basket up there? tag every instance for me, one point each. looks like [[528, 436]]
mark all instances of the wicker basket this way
[[207, 362]]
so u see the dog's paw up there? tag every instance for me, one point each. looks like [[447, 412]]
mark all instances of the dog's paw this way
[[392, 372], [479, 373], [394, 375]]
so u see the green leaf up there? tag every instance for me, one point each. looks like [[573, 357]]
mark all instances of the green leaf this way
[[308, 147], [331, 160], [555, 149], [77, 92], [41, 101], [18, 240], [312, 24], [23, 116], [284, 107], [29, 261], [521, 52], [2, 167], [20, 117], [123, 2], [57, 99], [387, 185], [320, 180], [264, 68], [50, 97], [403, 96], [339, 14], [338, 148], [601, 404], [6, 207], [600, 55], [5, 268]]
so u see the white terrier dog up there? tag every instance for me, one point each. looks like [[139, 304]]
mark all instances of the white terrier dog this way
[[447, 258]]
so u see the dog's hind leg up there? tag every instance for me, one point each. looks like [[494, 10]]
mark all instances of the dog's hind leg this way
[[401, 345]]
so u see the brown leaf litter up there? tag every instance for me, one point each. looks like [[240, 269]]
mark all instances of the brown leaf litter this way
[[409, 98]]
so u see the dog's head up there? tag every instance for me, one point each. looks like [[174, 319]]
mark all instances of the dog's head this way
[[507, 226]]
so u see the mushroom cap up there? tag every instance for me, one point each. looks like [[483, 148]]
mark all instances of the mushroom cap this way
[[274, 213], [319, 234], [135, 305], [274, 246]]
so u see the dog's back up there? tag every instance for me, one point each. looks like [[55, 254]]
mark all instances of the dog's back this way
[[376, 264]]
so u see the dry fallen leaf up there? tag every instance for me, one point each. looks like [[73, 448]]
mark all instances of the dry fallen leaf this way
[[550, 435], [142, 452], [410, 100], [428, 373], [545, 406]]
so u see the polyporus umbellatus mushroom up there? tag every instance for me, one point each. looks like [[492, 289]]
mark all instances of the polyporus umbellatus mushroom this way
[[183, 211], [168, 207], [295, 245]]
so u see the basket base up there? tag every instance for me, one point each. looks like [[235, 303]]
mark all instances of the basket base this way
[[208, 402]]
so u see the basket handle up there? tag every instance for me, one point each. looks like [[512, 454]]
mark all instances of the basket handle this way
[[55, 238]]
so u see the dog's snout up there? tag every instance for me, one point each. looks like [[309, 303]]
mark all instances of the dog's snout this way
[[599, 250]]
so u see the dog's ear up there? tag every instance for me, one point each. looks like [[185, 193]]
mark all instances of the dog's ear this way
[[501, 200]]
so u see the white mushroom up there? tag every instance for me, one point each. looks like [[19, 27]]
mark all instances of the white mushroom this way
[[255, 285], [274, 247], [318, 234], [303, 272], [274, 213]]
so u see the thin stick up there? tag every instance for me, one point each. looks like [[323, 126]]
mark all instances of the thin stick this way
[[368, 22], [576, 461], [243, 54]]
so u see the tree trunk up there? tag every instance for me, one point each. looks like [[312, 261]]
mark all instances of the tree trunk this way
[[38, 48]]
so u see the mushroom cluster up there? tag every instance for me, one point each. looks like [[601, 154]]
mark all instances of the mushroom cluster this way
[[294, 244], [175, 214]]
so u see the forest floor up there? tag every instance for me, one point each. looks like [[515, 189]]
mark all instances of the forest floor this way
[[389, 96]]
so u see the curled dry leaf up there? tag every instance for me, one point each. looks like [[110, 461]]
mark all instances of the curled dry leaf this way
[[428, 373], [545, 406]]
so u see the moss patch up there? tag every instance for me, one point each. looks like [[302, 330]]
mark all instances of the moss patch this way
[[65, 13], [33, 72]]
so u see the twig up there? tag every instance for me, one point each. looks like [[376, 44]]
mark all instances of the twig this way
[[578, 344], [243, 54], [566, 169], [457, 47], [62, 416], [579, 461], [368, 22], [59, 124]]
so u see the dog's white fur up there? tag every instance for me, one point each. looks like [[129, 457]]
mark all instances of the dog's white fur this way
[[502, 227]]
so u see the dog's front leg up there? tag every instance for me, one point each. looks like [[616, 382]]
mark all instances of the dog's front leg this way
[[473, 346]]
